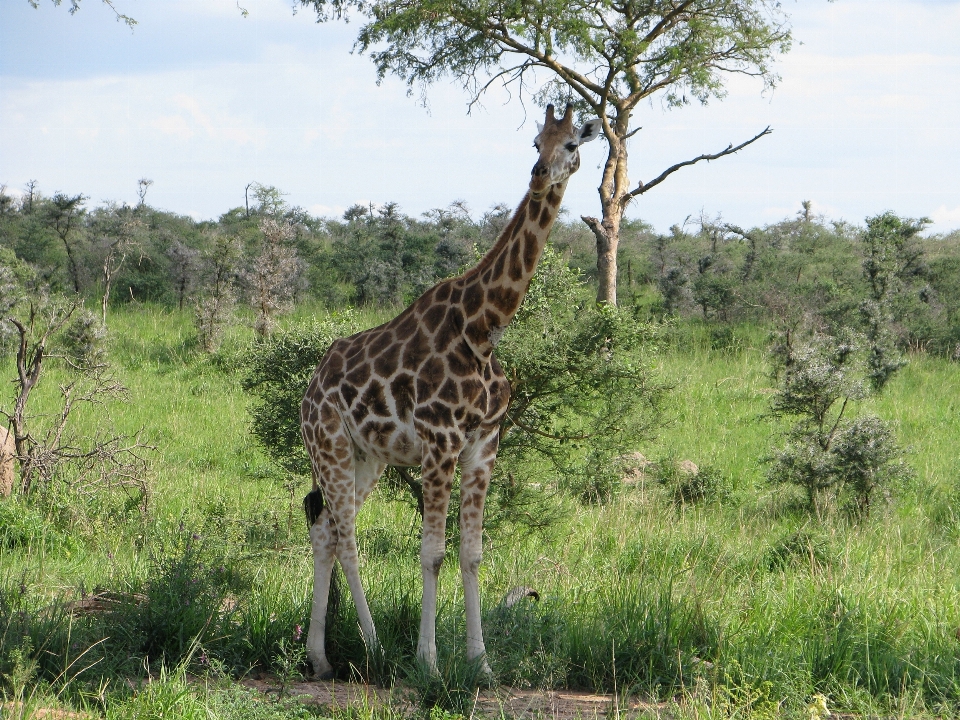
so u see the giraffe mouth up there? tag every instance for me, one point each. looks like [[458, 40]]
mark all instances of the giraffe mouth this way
[[539, 194]]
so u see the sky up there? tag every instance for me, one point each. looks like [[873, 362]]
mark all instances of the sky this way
[[203, 100]]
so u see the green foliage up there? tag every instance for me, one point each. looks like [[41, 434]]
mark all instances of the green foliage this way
[[892, 254], [83, 341], [64, 214], [828, 455], [581, 393], [390, 259], [277, 371], [806, 547], [689, 486], [218, 297], [714, 293], [182, 601], [868, 459], [170, 695]]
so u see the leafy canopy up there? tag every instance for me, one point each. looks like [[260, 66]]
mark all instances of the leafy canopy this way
[[613, 52]]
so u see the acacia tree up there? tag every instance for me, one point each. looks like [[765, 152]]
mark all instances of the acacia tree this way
[[605, 56], [65, 217]]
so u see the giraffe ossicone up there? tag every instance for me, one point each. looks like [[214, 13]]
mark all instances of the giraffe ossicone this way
[[425, 389]]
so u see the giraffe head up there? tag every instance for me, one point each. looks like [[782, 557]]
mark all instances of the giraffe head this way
[[558, 142]]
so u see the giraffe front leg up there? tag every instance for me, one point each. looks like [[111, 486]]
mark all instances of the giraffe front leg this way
[[477, 466], [437, 485]]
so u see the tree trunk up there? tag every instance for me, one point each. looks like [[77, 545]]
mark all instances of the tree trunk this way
[[106, 296], [72, 264], [614, 187], [607, 234]]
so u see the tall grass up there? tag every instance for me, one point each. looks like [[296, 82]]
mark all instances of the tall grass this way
[[741, 600]]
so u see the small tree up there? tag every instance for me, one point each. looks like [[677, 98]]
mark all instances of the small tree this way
[[581, 394], [272, 277], [828, 455], [64, 215], [184, 266], [16, 277], [49, 450], [143, 185], [215, 306], [891, 255], [117, 231]]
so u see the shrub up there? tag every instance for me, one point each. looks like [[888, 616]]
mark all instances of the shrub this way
[[180, 605], [827, 455], [277, 371], [868, 459], [805, 547], [687, 486], [582, 394]]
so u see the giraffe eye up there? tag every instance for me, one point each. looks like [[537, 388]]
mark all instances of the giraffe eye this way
[[571, 147], [536, 145]]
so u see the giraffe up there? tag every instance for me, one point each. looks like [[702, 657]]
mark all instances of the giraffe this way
[[425, 389]]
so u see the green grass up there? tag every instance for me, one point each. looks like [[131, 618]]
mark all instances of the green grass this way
[[739, 605]]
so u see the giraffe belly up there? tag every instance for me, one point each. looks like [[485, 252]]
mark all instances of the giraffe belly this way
[[389, 441]]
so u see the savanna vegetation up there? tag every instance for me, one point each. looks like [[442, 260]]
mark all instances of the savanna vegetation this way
[[735, 493]]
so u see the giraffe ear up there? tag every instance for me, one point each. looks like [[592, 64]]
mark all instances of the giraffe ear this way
[[589, 131], [539, 127]]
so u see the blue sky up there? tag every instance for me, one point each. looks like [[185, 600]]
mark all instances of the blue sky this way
[[203, 101]]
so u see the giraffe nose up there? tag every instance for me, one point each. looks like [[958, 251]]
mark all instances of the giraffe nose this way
[[539, 170]]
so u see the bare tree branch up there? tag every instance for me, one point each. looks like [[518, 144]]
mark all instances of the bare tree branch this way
[[729, 150]]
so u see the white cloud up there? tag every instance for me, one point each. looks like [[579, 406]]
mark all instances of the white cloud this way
[[319, 210], [945, 217], [175, 125]]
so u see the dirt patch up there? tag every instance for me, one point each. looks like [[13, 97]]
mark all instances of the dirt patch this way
[[500, 702], [331, 693], [16, 710], [562, 705]]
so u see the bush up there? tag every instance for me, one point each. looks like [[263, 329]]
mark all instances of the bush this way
[[868, 460], [804, 547], [827, 455], [581, 395], [277, 371], [181, 605], [688, 486]]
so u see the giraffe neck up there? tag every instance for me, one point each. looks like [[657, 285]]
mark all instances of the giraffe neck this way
[[495, 288]]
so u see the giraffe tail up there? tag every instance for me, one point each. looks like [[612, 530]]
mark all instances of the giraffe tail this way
[[313, 506]]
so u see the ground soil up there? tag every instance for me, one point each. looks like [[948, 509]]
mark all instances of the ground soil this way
[[500, 702]]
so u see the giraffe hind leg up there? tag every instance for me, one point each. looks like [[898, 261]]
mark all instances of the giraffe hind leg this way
[[365, 472], [323, 539]]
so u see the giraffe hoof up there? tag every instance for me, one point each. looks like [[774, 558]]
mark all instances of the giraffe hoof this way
[[325, 675]]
